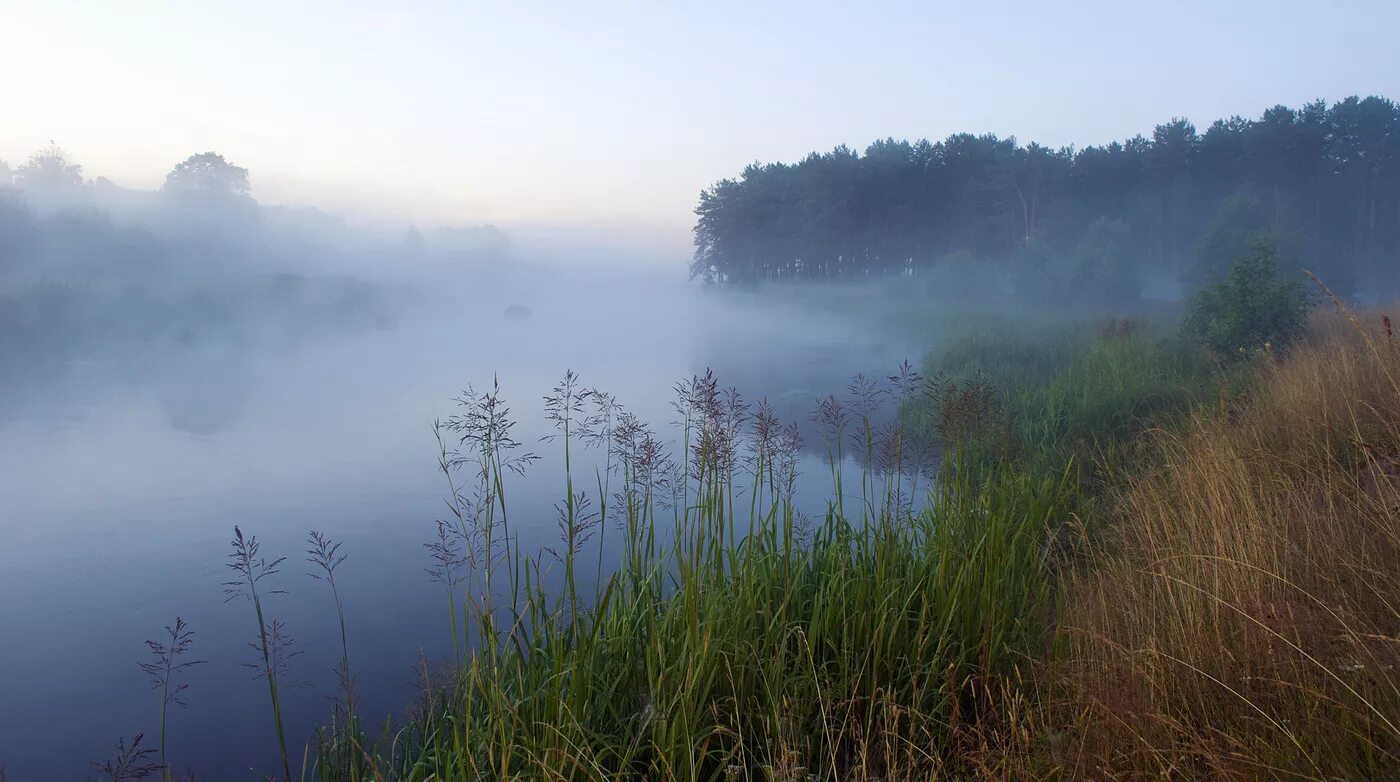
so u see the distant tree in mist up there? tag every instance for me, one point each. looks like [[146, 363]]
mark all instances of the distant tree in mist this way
[[1241, 224], [6, 175], [49, 169], [207, 174], [1101, 268]]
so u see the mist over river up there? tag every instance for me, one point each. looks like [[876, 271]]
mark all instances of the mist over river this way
[[124, 468]]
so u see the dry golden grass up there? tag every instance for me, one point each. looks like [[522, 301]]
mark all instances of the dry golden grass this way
[[1240, 620]]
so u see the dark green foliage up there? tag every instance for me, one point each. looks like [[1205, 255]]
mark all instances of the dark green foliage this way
[[1120, 384], [1256, 308], [1065, 393], [1329, 173]]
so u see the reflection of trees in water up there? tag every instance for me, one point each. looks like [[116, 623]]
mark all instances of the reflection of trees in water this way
[[199, 390], [53, 333]]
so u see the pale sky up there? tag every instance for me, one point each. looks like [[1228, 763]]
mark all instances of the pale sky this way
[[610, 117]]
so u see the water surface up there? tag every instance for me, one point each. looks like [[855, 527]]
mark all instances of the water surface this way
[[124, 468]]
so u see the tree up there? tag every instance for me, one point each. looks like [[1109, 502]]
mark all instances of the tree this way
[[1239, 224], [1270, 147], [207, 174], [1101, 270], [1330, 173], [1255, 308], [1170, 163], [6, 176], [1365, 152], [49, 169]]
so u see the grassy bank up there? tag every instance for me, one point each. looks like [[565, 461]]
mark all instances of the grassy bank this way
[[1138, 559], [1232, 613], [1240, 621]]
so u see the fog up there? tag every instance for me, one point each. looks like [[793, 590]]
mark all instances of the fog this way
[[180, 362]]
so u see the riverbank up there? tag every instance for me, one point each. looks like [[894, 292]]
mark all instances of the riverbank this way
[[1137, 561]]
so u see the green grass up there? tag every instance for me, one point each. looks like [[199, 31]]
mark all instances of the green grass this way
[[731, 644], [1063, 393]]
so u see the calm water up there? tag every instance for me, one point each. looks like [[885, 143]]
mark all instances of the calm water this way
[[123, 472]]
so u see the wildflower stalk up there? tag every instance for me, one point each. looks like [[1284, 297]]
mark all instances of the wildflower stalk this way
[[251, 569], [164, 671]]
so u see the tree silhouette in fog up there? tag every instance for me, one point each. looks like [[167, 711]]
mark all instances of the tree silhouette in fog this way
[[49, 169], [208, 174]]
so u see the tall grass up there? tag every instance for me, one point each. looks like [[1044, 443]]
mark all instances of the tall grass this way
[[732, 643], [345, 732], [1242, 619], [164, 670], [273, 646]]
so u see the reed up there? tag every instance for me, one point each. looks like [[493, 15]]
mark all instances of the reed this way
[[345, 731], [164, 671], [273, 646]]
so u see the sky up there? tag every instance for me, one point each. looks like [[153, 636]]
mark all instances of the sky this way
[[604, 119]]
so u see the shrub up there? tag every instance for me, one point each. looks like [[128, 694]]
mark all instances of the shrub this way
[[1255, 308]]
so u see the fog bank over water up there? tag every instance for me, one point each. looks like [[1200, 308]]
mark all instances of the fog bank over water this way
[[177, 367]]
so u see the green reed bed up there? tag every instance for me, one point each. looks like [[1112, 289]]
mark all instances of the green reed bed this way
[[1073, 394], [736, 638]]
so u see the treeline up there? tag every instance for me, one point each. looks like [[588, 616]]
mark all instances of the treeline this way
[[87, 265], [56, 224], [1323, 181]]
